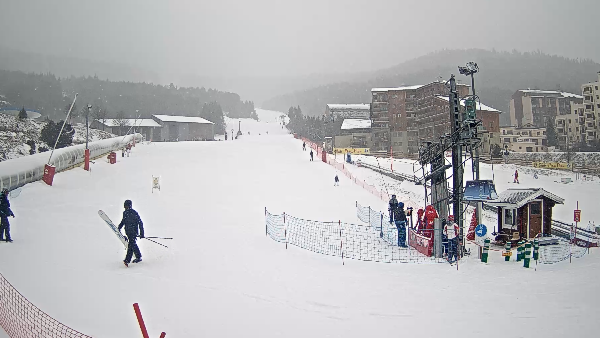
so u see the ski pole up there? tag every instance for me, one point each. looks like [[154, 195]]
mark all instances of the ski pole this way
[[157, 243], [159, 237]]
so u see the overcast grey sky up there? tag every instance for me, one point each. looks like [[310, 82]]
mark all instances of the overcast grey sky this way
[[280, 37]]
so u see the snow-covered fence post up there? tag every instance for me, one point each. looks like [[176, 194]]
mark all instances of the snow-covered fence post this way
[[527, 255], [285, 231], [536, 249], [507, 247], [341, 242], [486, 248]]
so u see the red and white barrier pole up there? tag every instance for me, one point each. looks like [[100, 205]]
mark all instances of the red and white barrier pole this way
[[138, 314]]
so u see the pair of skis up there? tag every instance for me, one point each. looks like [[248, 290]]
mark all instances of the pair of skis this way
[[120, 236]]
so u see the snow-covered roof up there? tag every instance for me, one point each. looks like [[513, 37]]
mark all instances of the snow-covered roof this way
[[359, 106], [541, 92], [480, 106], [130, 122], [182, 119], [356, 124], [517, 198], [396, 88]]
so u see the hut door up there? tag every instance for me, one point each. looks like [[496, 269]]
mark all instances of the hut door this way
[[535, 218]]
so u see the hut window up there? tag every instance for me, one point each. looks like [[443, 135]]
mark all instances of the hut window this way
[[535, 208], [509, 217]]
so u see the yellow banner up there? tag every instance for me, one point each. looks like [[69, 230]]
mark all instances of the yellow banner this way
[[551, 165], [351, 150]]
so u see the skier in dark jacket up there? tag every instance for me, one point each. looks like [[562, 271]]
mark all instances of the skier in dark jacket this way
[[392, 207], [131, 221], [311, 155], [303, 144], [400, 221], [5, 212]]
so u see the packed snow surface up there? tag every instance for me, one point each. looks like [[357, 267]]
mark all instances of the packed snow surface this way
[[222, 277]]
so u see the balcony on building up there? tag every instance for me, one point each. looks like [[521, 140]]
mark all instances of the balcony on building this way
[[587, 90]]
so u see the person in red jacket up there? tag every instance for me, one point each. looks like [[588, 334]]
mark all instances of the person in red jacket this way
[[516, 177], [430, 215]]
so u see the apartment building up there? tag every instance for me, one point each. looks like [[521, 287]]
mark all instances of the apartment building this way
[[591, 110], [403, 117], [536, 107], [571, 128], [523, 139]]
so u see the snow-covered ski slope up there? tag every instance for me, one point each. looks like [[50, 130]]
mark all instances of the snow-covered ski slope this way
[[578, 190], [222, 277]]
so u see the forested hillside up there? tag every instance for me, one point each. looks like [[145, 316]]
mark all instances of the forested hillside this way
[[500, 75], [50, 96]]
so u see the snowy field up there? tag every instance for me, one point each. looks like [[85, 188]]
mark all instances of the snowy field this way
[[222, 277]]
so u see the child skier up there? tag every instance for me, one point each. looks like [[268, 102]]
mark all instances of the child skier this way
[[4, 213], [337, 181], [131, 221], [516, 180]]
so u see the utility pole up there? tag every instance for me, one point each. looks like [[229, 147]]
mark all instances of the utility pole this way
[[470, 69], [457, 168]]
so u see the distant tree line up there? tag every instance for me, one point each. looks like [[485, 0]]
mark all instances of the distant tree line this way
[[51, 96], [500, 75], [312, 127]]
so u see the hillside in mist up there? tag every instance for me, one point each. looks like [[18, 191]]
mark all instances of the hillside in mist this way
[[500, 75]]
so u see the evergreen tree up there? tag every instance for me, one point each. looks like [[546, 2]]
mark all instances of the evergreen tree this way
[[51, 131], [22, 114], [551, 133]]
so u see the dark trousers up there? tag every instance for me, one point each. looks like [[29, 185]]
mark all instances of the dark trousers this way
[[452, 246], [4, 228], [132, 247]]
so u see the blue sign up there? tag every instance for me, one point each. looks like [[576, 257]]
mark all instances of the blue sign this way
[[480, 230]]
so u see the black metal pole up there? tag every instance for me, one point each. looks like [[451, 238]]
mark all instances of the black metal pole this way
[[457, 169]]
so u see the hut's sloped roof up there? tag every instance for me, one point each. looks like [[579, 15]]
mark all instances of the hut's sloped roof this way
[[519, 197]]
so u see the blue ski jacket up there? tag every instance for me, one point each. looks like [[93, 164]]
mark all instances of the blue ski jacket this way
[[5, 207], [131, 221]]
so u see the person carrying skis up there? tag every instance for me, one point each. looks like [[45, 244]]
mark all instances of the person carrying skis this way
[[451, 231], [131, 221], [311, 155], [303, 145], [5, 212], [516, 180], [337, 180], [392, 207]]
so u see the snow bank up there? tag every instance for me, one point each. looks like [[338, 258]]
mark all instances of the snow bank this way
[[20, 171]]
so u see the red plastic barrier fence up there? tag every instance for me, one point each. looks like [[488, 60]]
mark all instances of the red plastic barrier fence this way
[[21, 319]]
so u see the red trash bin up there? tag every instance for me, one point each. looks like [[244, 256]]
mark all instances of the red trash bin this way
[[49, 174]]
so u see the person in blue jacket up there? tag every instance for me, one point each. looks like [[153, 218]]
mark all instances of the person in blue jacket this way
[[400, 221], [132, 221], [5, 212]]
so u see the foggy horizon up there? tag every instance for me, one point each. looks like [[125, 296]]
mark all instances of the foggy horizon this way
[[271, 39]]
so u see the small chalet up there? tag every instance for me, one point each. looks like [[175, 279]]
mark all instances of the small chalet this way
[[525, 213]]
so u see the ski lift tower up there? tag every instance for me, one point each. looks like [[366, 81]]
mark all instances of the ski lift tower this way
[[463, 135]]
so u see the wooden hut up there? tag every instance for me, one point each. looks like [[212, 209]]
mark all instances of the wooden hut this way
[[525, 213]]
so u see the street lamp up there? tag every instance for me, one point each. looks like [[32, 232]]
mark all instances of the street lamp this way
[[87, 125]]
